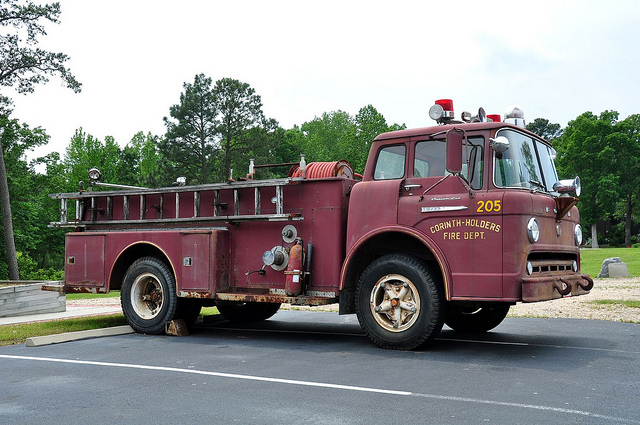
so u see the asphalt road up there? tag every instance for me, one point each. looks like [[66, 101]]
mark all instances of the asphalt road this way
[[319, 368]]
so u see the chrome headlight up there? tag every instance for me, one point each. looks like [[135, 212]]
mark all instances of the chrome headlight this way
[[94, 174], [577, 233], [533, 230]]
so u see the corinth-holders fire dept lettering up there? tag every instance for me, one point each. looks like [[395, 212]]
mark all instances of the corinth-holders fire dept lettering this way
[[476, 229]]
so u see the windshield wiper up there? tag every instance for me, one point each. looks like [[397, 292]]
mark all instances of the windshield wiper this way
[[537, 183]]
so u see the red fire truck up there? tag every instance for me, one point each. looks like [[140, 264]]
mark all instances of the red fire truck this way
[[450, 224]]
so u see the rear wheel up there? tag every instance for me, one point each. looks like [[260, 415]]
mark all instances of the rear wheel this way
[[148, 295], [475, 319], [235, 311], [399, 302]]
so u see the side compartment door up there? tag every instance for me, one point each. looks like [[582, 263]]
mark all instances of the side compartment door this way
[[205, 262], [85, 262], [195, 267]]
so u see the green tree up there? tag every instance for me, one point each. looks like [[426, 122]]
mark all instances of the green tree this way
[[192, 142], [35, 243], [215, 128], [583, 150], [85, 152], [145, 159], [337, 135], [624, 151], [329, 137], [23, 66], [543, 128], [369, 124], [241, 124]]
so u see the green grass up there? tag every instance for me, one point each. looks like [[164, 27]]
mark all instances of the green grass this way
[[17, 334], [209, 311], [591, 259], [112, 294], [626, 303]]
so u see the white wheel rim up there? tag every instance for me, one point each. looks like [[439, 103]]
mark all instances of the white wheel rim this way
[[147, 296], [395, 303]]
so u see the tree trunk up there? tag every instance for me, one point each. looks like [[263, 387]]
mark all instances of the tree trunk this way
[[7, 222], [594, 236], [628, 223]]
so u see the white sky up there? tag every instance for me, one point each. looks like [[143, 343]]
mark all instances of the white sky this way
[[555, 59]]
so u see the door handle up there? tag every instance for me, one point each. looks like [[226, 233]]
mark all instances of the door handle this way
[[408, 187]]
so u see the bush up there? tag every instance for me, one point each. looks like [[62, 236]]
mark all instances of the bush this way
[[616, 235], [29, 271]]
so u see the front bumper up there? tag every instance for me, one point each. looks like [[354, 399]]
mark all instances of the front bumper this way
[[545, 288]]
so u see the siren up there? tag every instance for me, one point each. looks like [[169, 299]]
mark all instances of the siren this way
[[515, 116], [442, 111]]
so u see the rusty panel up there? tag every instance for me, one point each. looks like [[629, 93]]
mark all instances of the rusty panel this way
[[85, 260], [328, 231], [204, 263], [552, 287], [195, 267], [275, 298], [322, 205]]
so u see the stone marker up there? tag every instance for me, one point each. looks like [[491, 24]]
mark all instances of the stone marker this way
[[618, 270], [604, 271]]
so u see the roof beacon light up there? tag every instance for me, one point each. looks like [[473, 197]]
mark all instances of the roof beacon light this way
[[442, 111], [515, 116], [494, 117]]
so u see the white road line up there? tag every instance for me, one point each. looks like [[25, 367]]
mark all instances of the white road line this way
[[324, 385]]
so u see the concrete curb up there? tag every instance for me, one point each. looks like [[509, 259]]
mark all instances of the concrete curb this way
[[38, 341]]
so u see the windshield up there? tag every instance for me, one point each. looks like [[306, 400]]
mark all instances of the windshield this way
[[527, 163]]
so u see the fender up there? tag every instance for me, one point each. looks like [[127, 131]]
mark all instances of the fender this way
[[118, 262], [421, 237]]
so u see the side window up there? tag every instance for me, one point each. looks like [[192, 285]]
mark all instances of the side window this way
[[390, 163], [430, 160]]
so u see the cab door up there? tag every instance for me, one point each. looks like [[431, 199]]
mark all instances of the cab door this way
[[458, 214]]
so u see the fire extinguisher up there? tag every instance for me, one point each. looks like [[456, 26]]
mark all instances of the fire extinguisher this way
[[293, 282]]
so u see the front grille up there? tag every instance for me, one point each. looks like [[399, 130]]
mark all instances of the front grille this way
[[550, 263]]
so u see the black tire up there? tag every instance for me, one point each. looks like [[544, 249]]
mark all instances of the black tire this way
[[475, 319], [188, 309], [148, 295], [399, 302], [243, 312]]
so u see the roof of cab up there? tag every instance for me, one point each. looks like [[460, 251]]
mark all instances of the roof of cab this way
[[426, 131]]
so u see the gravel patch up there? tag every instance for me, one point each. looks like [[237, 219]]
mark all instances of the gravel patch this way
[[583, 307]]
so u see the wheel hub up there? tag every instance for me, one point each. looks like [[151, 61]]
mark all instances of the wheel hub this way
[[146, 296], [395, 303]]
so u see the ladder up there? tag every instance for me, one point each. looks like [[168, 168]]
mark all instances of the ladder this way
[[97, 208]]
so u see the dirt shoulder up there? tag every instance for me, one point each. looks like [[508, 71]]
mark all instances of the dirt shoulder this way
[[583, 307]]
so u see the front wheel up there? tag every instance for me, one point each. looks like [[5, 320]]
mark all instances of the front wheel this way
[[399, 302], [148, 295], [475, 319]]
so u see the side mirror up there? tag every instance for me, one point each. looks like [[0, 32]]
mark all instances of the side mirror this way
[[454, 151], [499, 144], [568, 187]]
